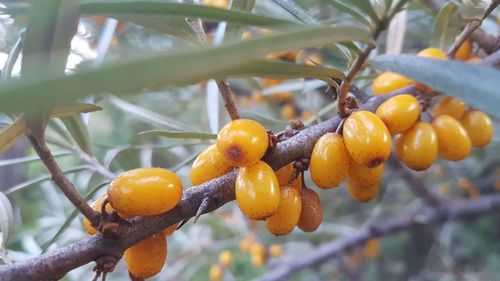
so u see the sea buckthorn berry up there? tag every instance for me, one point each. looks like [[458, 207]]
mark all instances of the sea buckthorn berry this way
[[223, 4], [433, 53], [329, 161], [215, 273], [245, 245], [146, 258], [170, 230], [418, 147], [257, 248], [367, 138], [364, 176], [465, 51], [371, 248], [242, 142], [285, 173], [286, 218], [96, 205], [225, 258], [311, 214], [258, 259], [288, 112], [257, 191], [145, 192], [399, 113], [451, 106], [453, 141], [276, 251], [478, 126], [389, 81], [362, 193], [208, 165]]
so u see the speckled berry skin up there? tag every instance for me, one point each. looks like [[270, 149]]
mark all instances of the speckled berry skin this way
[[399, 113], [311, 214], [451, 106], [208, 165], [329, 161], [146, 258], [479, 127], [453, 141], [286, 217], [418, 147]]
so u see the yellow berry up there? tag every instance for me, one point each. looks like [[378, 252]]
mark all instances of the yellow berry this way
[[245, 245], [258, 260], [371, 248], [285, 173], [363, 193], [276, 251], [96, 205], [329, 161], [465, 51], [478, 126], [286, 218], [433, 53], [367, 139], [388, 82], [170, 230], [225, 258], [288, 112], [222, 4], [242, 142], [257, 248], [399, 113], [418, 147], [257, 191], [215, 273], [146, 258], [451, 106], [453, 141], [208, 165], [311, 214], [361, 175], [145, 192]]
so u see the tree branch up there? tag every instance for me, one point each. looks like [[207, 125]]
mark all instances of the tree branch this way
[[327, 251], [492, 60]]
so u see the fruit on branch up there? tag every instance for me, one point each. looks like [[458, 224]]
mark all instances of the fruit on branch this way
[[453, 141], [367, 138], [388, 82], [311, 213], [286, 218], [208, 165], [258, 255], [215, 273], [478, 126], [225, 258], [399, 113], [145, 192], [278, 97], [464, 52], [433, 53], [417, 148], [364, 176], [242, 142], [146, 258], [285, 173], [257, 191], [245, 244], [371, 248], [96, 205], [170, 230], [451, 106], [362, 193], [329, 161], [275, 251]]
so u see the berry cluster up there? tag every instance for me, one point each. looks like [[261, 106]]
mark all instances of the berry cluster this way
[[142, 192]]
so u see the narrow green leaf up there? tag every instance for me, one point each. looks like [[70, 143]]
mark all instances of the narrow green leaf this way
[[234, 31], [179, 135], [29, 159], [78, 131], [182, 68], [444, 32], [366, 7], [296, 11], [453, 78], [74, 108], [10, 135], [6, 219], [349, 10]]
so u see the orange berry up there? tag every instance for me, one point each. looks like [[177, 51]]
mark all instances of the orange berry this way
[[276, 251], [363, 193], [285, 173], [96, 205], [242, 142], [145, 192], [170, 230], [311, 214], [257, 191], [367, 138], [146, 258], [387, 82], [433, 53], [418, 147], [451, 106], [258, 260], [329, 161], [257, 248], [286, 218], [208, 165], [215, 273], [465, 51], [361, 175], [288, 112], [478, 126], [245, 245], [371, 248], [453, 141], [222, 4], [307, 114], [399, 113], [225, 258]]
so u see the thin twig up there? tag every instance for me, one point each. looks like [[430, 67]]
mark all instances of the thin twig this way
[[469, 29], [224, 89]]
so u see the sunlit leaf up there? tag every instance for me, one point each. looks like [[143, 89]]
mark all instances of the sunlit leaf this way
[[10, 135]]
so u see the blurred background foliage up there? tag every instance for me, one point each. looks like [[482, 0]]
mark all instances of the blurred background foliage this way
[[454, 251]]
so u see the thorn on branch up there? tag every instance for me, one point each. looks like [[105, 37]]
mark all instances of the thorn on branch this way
[[105, 265], [202, 208]]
